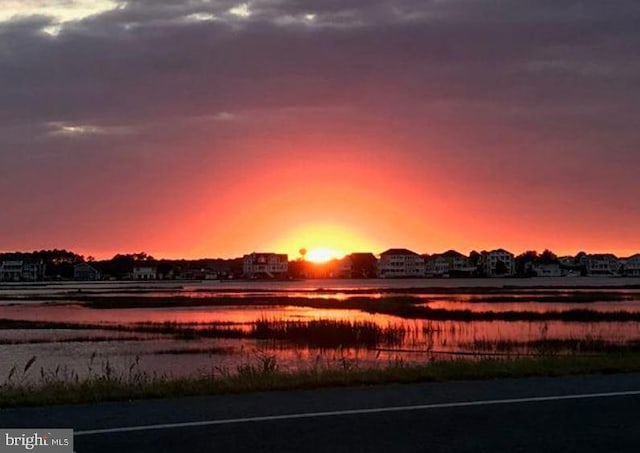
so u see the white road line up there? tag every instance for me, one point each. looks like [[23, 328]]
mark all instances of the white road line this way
[[377, 410]]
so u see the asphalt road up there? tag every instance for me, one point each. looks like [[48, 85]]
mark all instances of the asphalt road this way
[[582, 414]]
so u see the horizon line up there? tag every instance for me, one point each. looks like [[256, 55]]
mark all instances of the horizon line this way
[[156, 257]]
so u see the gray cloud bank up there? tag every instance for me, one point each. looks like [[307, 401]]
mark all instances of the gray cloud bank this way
[[545, 91]]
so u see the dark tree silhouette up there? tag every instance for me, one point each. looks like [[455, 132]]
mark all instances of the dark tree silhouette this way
[[548, 257], [501, 268]]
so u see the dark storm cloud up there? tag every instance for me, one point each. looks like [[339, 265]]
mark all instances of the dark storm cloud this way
[[560, 76], [151, 59]]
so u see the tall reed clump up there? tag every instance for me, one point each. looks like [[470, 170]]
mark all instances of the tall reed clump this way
[[325, 333], [99, 382]]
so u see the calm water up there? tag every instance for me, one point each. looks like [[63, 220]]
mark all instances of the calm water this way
[[422, 339], [329, 284]]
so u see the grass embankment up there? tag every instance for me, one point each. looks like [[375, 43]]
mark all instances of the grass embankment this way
[[548, 346], [266, 376]]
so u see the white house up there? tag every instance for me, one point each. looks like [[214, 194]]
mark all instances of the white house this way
[[601, 264], [11, 271], [265, 265], [400, 263], [21, 271], [436, 265], [145, 272], [498, 263], [448, 263]]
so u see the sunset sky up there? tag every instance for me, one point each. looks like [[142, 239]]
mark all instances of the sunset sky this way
[[215, 128]]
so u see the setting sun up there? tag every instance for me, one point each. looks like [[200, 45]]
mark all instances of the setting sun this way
[[322, 241], [321, 255]]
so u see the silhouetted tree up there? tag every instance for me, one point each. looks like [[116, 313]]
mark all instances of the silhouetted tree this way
[[363, 265], [58, 263], [524, 261], [501, 268], [548, 257]]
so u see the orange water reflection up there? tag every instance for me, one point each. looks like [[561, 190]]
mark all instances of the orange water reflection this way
[[427, 339], [446, 335]]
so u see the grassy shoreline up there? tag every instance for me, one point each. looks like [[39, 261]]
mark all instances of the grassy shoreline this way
[[266, 376]]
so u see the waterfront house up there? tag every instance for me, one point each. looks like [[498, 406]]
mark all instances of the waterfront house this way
[[547, 269], [601, 264], [11, 271], [21, 271], [449, 263], [436, 265], [86, 272], [498, 263], [632, 266], [265, 265], [144, 271], [400, 263]]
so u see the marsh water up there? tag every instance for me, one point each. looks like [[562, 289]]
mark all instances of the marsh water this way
[[74, 326]]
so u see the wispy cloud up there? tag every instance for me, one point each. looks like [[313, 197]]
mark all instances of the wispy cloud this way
[[84, 130]]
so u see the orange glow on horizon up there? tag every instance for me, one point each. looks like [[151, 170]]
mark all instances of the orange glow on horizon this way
[[358, 197]]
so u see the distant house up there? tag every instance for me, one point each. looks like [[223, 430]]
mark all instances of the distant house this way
[[86, 272], [547, 269], [265, 265], [11, 271], [199, 274], [567, 261], [632, 266], [33, 271], [21, 271], [145, 271], [601, 264], [344, 268], [400, 263], [498, 263], [449, 263], [436, 265]]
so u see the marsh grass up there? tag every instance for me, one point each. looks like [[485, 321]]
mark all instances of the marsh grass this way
[[325, 333], [321, 333]]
